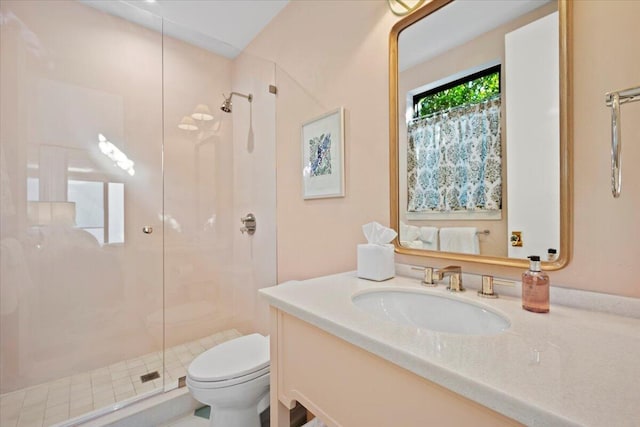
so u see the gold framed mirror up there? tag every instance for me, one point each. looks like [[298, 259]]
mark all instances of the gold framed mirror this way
[[481, 132]]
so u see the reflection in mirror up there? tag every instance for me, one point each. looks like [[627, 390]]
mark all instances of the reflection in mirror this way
[[478, 95]]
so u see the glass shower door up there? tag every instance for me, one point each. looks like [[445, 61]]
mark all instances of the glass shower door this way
[[81, 237], [219, 166]]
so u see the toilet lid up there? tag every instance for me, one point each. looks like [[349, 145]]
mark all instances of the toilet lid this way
[[235, 358]]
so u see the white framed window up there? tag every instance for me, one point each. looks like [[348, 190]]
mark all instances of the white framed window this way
[[99, 208]]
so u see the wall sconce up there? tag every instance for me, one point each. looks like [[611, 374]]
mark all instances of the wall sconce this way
[[202, 112], [187, 123], [404, 7]]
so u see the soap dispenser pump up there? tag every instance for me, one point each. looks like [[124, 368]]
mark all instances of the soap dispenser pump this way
[[535, 287]]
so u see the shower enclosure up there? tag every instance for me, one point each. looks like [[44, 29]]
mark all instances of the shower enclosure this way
[[121, 186]]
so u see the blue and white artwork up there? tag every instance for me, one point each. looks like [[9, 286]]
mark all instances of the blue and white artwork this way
[[320, 155], [322, 146]]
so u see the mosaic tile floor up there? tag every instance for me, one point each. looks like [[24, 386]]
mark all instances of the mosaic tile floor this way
[[56, 401]]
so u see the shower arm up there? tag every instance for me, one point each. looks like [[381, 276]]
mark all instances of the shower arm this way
[[249, 97]]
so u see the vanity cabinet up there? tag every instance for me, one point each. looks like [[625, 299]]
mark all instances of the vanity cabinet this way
[[569, 367], [345, 385]]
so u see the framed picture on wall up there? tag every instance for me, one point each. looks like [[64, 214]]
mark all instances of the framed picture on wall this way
[[323, 156]]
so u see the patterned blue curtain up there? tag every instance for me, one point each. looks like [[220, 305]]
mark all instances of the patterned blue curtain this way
[[454, 159]]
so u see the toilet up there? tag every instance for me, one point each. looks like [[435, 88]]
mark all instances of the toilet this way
[[233, 378]]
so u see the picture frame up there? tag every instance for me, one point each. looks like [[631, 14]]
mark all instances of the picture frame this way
[[322, 140]]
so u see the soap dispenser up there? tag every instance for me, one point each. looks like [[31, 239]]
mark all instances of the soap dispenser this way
[[535, 287]]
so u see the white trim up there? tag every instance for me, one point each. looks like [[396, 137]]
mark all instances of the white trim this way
[[481, 215]]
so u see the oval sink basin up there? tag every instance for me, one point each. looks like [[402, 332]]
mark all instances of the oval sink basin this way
[[432, 312]]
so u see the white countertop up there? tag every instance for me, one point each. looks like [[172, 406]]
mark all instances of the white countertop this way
[[566, 367]]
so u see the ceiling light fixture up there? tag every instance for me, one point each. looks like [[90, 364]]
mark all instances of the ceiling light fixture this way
[[187, 123], [404, 7], [202, 112], [116, 155]]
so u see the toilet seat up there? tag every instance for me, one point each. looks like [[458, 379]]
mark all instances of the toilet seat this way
[[233, 362], [209, 385]]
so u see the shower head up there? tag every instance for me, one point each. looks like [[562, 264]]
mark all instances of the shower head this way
[[227, 104]]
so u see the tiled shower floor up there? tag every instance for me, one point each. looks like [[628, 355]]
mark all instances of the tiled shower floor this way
[[69, 397]]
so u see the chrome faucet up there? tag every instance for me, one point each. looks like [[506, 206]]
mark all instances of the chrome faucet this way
[[455, 277]]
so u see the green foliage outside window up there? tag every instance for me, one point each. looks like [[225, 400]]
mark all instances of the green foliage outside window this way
[[470, 92]]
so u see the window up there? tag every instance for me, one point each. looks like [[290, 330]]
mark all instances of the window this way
[[33, 189], [454, 154], [115, 212], [470, 89], [99, 208]]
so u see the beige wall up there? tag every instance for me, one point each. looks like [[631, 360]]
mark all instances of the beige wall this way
[[329, 54], [198, 166], [335, 53]]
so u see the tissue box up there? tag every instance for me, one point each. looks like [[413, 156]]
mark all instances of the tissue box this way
[[376, 262]]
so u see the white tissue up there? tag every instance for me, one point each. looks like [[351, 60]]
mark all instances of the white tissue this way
[[376, 258], [378, 234]]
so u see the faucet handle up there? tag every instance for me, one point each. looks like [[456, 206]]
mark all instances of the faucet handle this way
[[487, 288], [428, 279]]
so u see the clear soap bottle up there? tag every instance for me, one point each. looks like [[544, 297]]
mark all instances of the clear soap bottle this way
[[535, 287]]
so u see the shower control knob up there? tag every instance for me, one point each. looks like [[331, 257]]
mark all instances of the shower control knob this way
[[249, 217], [147, 229], [249, 223]]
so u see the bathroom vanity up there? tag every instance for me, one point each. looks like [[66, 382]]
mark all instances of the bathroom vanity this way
[[351, 367]]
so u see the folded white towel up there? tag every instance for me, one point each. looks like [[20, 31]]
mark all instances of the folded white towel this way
[[428, 234], [428, 238], [409, 232], [459, 239], [413, 244]]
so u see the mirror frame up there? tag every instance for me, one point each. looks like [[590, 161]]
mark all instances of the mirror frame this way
[[566, 143]]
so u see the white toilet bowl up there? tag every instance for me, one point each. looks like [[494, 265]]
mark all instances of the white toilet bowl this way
[[233, 378]]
